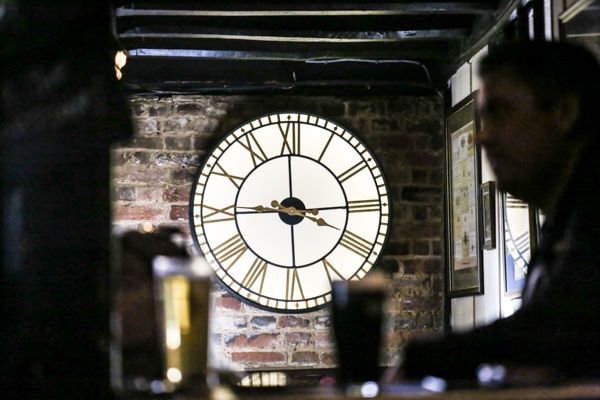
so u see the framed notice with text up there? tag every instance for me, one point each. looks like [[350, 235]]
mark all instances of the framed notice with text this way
[[465, 276]]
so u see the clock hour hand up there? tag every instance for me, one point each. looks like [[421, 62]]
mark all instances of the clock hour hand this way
[[293, 210], [290, 211], [302, 213]]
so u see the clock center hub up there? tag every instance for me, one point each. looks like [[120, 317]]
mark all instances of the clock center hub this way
[[296, 204]]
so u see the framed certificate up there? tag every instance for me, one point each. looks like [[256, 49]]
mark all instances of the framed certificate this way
[[465, 274]]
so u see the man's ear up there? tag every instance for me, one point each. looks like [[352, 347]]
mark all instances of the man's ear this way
[[567, 113]]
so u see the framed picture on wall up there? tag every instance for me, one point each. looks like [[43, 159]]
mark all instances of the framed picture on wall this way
[[487, 192], [465, 275], [520, 238]]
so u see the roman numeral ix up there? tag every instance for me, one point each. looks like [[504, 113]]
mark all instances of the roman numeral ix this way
[[217, 214]]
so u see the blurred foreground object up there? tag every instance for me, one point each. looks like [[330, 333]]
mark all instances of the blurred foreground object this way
[[60, 111], [136, 354], [357, 312], [182, 293]]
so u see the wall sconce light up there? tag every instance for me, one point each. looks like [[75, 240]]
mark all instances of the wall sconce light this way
[[120, 61]]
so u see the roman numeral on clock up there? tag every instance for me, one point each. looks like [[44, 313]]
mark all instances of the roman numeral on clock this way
[[356, 244], [293, 285], [291, 138], [357, 206], [232, 178], [217, 214], [329, 268], [258, 269], [232, 247], [353, 170], [256, 152]]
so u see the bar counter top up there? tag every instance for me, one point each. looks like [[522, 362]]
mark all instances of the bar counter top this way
[[583, 390]]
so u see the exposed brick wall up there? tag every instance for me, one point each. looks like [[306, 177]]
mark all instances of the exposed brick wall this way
[[153, 176]]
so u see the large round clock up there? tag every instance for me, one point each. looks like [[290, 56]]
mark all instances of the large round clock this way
[[284, 205]]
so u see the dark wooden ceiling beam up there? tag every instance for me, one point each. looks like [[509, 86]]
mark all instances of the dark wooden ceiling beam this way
[[305, 10], [306, 37], [235, 75], [293, 25], [430, 52]]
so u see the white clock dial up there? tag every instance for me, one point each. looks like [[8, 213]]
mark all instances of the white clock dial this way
[[517, 236], [284, 205]]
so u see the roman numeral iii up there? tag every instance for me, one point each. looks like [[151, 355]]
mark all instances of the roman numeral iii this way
[[357, 206]]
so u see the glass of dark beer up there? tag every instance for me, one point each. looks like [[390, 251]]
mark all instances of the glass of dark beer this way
[[357, 312]]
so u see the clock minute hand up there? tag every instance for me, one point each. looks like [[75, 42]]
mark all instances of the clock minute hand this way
[[321, 222], [259, 208]]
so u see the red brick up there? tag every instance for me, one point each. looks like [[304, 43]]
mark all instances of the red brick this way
[[421, 304], [136, 212], [421, 247], [322, 322], [148, 194], [179, 212], [292, 322], [302, 339], [182, 176], [140, 174], [418, 230], [305, 358], [423, 266], [328, 359], [324, 340], [227, 302], [255, 357], [176, 194], [259, 341], [147, 142], [425, 159], [412, 286]]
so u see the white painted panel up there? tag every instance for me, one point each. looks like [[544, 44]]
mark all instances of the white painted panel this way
[[475, 81], [461, 319], [460, 83]]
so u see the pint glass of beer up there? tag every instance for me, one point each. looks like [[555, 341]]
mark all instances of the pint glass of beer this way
[[182, 293], [358, 315]]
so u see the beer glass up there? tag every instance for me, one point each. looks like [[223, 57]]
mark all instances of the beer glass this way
[[357, 314], [182, 293]]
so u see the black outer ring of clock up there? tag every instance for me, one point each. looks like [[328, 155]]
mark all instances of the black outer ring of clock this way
[[222, 284]]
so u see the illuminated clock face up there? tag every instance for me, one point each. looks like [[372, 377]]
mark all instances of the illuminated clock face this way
[[518, 241], [284, 205]]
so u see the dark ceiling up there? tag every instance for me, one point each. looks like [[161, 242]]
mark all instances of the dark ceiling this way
[[301, 46]]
